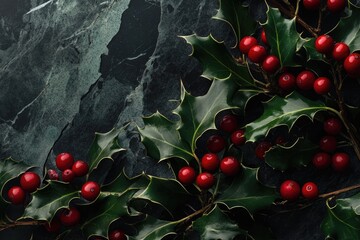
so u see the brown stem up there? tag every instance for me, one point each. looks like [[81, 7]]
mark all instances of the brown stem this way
[[318, 28], [25, 223], [343, 113], [291, 14], [337, 192]]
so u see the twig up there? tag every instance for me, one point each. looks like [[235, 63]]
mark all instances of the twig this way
[[337, 192], [4, 226]]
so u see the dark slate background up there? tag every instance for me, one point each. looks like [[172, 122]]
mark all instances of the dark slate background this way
[[71, 68]]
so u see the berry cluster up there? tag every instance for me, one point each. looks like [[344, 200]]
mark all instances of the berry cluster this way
[[211, 162], [339, 161], [29, 182], [290, 190], [305, 80], [257, 53], [340, 52], [333, 6]]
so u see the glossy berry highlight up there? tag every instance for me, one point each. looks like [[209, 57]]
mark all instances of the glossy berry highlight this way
[[64, 161], [215, 143], [186, 175], [30, 181], [210, 162], [324, 44], [310, 190], [16, 195], [328, 143], [322, 85], [238, 137], [352, 64], [321, 160], [230, 166], [117, 235], [287, 82], [80, 168], [52, 174], [290, 190], [257, 54], [90, 190], [312, 4], [246, 43], [271, 64], [205, 180], [340, 52], [68, 175], [229, 123], [336, 5], [340, 162], [305, 80], [332, 126]]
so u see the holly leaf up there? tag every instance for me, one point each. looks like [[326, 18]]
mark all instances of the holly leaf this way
[[9, 169], [111, 204], [198, 113], [167, 193], [295, 156], [162, 139], [342, 220], [237, 16], [283, 111], [217, 225], [348, 30], [243, 96], [216, 61], [282, 37], [103, 147], [48, 200], [153, 228], [247, 192]]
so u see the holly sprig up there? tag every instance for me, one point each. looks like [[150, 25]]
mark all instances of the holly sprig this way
[[155, 207]]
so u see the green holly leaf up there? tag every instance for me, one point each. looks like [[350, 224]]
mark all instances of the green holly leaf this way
[[198, 113], [103, 147], [295, 156], [217, 62], [217, 225], [348, 30], [243, 96], [342, 221], [165, 192], [283, 111], [153, 228], [162, 139], [47, 200], [9, 169], [309, 46], [238, 17], [282, 37], [111, 204], [247, 192]]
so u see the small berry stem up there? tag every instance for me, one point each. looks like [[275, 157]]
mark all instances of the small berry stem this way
[[337, 192], [4, 225]]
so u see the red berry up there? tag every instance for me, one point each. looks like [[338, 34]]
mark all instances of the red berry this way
[[312, 4], [287, 82], [305, 80], [215, 143], [257, 54], [205, 180], [90, 190], [336, 5], [29, 181], [322, 85], [332, 126], [16, 195], [324, 44], [68, 175], [210, 162], [321, 160], [271, 64], [328, 143], [238, 137], [340, 161], [261, 149], [64, 161], [246, 43], [54, 226], [352, 64], [117, 235], [80, 168], [340, 51], [230, 166], [186, 175], [263, 37], [290, 190], [70, 217], [53, 175], [310, 190], [228, 123]]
